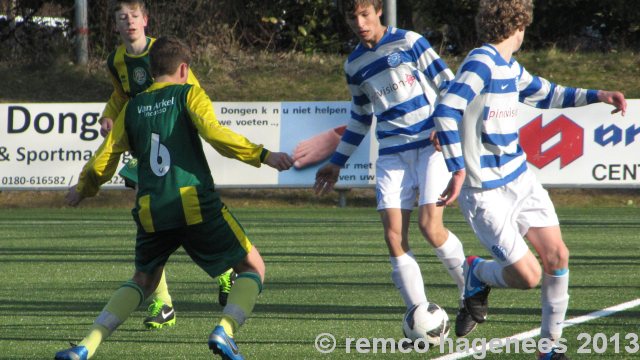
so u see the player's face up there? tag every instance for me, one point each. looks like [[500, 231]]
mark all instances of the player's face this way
[[364, 21], [130, 22]]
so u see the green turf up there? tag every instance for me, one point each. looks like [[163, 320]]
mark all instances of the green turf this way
[[327, 271]]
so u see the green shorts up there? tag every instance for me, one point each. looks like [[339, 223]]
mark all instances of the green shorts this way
[[215, 246]]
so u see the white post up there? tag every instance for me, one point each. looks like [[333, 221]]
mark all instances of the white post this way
[[82, 32], [389, 13]]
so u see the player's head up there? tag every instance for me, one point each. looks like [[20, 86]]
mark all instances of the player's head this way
[[169, 55], [131, 18], [497, 20], [349, 6], [363, 17]]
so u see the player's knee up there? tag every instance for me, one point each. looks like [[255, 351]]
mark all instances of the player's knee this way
[[254, 263], [433, 231], [557, 258], [393, 236], [147, 282]]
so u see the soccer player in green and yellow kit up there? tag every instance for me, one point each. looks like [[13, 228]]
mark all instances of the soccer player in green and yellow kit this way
[[130, 74], [176, 202]]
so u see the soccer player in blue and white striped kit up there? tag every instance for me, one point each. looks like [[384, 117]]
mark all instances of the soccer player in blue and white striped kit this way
[[395, 76], [500, 198]]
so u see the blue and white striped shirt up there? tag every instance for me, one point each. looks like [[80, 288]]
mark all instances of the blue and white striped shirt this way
[[476, 118], [398, 81]]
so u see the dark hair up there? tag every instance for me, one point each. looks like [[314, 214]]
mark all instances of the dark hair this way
[[347, 7], [498, 19], [166, 54]]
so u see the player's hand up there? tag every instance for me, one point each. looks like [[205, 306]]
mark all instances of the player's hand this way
[[279, 160], [614, 98], [434, 140], [73, 197], [326, 178], [105, 126], [452, 191]]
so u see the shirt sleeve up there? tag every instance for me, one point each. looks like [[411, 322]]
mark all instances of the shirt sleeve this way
[[431, 65], [357, 127], [116, 101], [543, 94], [104, 163], [221, 138], [471, 80]]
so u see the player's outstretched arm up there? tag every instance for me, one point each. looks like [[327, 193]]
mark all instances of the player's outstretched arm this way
[[614, 98], [106, 123], [317, 148], [279, 160], [73, 197], [326, 178], [452, 191]]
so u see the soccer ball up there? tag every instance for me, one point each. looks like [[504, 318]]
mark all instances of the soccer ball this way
[[427, 321]]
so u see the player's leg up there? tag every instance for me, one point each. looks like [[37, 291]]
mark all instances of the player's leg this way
[[161, 303], [244, 293], [537, 219], [492, 214], [216, 246], [152, 252], [395, 191], [555, 280], [432, 173], [122, 303], [449, 250], [405, 271], [242, 299]]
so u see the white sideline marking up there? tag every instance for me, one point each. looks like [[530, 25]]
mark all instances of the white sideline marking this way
[[535, 332]]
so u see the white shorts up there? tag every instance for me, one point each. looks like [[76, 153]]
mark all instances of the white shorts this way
[[400, 176], [500, 217]]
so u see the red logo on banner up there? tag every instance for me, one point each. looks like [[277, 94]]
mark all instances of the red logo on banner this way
[[569, 148]]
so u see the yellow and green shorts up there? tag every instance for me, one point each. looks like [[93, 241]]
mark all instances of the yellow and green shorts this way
[[215, 245]]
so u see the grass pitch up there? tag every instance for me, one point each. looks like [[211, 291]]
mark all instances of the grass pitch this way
[[327, 272]]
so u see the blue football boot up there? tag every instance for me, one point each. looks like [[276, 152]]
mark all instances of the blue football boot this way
[[222, 344], [73, 353], [476, 293]]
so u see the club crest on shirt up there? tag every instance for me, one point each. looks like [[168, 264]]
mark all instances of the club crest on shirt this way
[[139, 76], [394, 59]]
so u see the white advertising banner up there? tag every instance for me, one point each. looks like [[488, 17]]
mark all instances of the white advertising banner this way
[[584, 147], [44, 146]]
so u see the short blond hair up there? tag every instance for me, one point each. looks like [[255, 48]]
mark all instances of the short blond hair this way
[[498, 19], [116, 5]]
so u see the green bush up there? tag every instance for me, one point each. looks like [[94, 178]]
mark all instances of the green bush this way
[[311, 26]]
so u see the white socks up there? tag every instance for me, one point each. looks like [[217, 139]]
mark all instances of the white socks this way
[[407, 277], [555, 300], [451, 254], [490, 272]]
